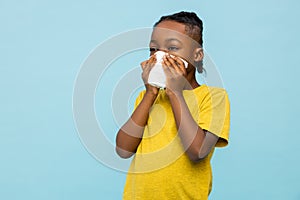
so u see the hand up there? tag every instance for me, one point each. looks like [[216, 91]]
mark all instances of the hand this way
[[147, 65], [175, 74]]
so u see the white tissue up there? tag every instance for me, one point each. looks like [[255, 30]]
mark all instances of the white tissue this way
[[157, 76]]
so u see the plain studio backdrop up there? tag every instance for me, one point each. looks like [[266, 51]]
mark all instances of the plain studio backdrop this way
[[255, 45]]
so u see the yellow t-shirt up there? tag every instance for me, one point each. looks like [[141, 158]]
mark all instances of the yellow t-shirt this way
[[160, 169]]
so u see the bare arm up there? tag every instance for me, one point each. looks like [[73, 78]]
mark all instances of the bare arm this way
[[196, 141], [130, 134]]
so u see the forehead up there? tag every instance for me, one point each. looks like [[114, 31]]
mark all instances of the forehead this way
[[172, 25], [169, 29]]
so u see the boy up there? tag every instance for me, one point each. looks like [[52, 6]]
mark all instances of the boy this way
[[173, 131]]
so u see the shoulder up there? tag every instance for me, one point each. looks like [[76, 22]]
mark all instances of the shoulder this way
[[210, 94], [209, 90]]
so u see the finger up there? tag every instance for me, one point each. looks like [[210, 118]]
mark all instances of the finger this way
[[167, 66], [152, 60], [151, 57], [168, 61], [143, 64], [148, 62], [166, 69], [180, 64], [174, 65]]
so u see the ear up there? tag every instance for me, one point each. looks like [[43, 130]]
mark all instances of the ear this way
[[198, 54]]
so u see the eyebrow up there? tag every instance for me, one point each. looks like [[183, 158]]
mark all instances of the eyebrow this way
[[173, 39], [167, 40]]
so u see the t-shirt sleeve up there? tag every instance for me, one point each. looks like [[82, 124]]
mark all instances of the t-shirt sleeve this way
[[214, 114]]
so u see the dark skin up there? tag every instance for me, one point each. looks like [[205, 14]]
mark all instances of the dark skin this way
[[171, 37]]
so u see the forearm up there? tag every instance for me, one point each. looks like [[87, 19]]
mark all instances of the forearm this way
[[191, 135], [130, 134]]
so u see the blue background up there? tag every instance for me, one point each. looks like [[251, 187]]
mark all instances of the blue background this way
[[255, 45]]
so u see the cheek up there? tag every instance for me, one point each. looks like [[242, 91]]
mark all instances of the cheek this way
[[181, 53], [188, 56]]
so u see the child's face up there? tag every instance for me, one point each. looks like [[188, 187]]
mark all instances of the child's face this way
[[171, 36]]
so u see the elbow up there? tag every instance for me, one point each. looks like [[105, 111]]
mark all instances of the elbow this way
[[194, 158], [123, 153], [195, 155]]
